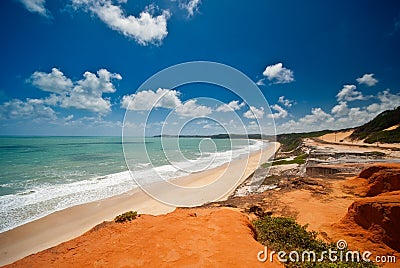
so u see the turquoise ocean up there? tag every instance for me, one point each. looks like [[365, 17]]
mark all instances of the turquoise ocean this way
[[41, 175]]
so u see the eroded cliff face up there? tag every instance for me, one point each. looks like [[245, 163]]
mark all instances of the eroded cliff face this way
[[381, 179], [379, 212]]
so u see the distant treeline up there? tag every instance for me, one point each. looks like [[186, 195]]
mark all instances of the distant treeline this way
[[243, 136], [223, 136]]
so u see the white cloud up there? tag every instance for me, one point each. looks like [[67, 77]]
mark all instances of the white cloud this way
[[52, 100], [254, 113], [320, 120], [29, 109], [387, 101], [285, 102], [69, 117], [253, 126], [52, 82], [144, 29], [231, 106], [281, 113], [340, 109], [260, 82], [192, 109], [191, 6], [202, 122], [86, 94], [367, 79], [164, 98], [355, 117], [349, 93], [317, 115], [374, 107], [36, 6], [341, 115], [208, 126], [278, 74], [317, 120], [147, 99], [91, 123]]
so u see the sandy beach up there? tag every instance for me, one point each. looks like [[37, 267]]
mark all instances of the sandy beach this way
[[69, 223]]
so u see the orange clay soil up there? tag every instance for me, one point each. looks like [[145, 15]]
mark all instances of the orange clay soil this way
[[183, 238]]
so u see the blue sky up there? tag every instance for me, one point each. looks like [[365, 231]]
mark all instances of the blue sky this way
[[70, 67]]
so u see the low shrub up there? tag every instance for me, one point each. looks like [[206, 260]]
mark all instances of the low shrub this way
[[300, 159], [127, 216], [284, 234]]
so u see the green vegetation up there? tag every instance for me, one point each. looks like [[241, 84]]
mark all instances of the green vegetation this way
[[300, 159], [242, 136], [223, 136], [374, 129], [389, 136], [127, 216], [284, 234], [291, 141]]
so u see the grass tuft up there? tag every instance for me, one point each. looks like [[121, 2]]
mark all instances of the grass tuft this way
[[127, 216], [300, 159]]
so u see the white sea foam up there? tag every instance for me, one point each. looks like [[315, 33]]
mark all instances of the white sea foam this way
[[38, 201]]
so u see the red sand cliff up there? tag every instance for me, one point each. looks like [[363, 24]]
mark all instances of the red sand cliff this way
[[374, 221]]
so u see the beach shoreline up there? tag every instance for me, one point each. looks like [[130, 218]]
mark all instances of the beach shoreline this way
[[71, 222]]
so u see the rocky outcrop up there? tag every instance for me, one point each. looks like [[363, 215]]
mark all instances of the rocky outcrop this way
[[380, 215], [381, 179], [379, 212]]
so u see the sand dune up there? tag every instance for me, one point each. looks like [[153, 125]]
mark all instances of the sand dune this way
[[343, 137], [337, 136]]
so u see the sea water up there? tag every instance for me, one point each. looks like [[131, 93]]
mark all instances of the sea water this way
[[40, 175]]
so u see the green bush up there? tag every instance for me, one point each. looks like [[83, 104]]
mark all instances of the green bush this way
[[387, 136], [284, 234], [375, 127], [300, 159], [127, 216]]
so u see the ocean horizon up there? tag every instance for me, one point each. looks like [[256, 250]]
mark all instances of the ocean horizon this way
[[43, 174]]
